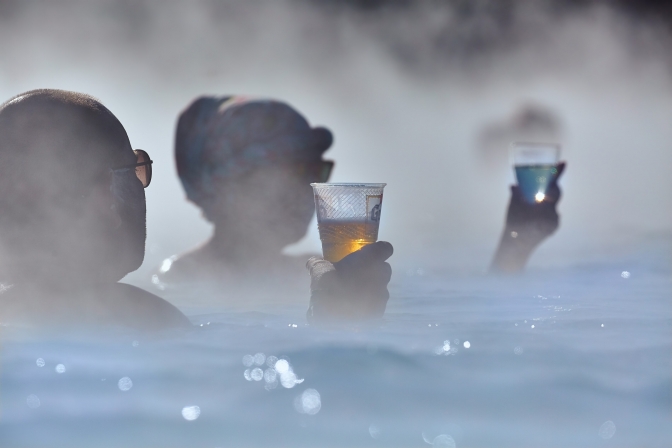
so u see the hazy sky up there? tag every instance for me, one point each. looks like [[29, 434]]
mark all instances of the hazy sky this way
[[406, 95]]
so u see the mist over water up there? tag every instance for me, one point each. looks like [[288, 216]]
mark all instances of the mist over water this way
[[407, 93], [423, 96]]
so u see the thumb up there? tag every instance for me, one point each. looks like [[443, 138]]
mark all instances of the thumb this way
[[560, 167], [371, 253]]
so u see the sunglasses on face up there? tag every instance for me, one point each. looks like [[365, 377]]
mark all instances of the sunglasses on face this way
[[143, 167]]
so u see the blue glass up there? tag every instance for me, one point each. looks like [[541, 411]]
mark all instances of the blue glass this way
[[534, 181]]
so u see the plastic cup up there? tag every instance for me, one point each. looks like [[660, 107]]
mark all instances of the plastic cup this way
[[535, 165], [348, 216]]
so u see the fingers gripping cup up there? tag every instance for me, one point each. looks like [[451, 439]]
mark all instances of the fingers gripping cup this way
[[348, 217], [535, 165]]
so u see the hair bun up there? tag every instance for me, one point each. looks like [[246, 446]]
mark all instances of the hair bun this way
[[322, 138]]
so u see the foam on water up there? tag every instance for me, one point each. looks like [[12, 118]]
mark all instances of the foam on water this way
[[578, 356]]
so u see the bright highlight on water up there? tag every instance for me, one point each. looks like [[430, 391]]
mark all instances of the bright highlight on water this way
[[191, 413], [33, 401], [125, 384]]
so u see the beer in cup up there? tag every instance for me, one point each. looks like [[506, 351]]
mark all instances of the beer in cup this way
[[348, 216]]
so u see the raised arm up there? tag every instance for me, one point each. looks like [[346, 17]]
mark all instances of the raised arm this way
[[526, 226]]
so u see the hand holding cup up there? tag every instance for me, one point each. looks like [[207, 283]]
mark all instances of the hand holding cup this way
[[354, 288]]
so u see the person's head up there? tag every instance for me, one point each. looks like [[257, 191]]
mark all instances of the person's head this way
[[68, 213], [248, 165]]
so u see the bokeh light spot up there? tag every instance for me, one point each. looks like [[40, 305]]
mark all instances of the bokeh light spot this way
[[607, 430], [33, 402], [191, 413], [257, 374], [259, 359], [309, 402], [125, 384], [443, 441]]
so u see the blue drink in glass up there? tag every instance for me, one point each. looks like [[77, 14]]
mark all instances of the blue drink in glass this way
[[534, 180], [535, 165]]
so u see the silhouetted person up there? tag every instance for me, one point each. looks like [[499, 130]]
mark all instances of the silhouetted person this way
[[248, 165], [527, 225], [72, 216]]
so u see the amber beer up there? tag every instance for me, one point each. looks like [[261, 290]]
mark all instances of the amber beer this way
[[340, 238], [348, 217]]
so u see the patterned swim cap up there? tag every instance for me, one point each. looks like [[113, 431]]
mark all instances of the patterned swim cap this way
[[219, 137]]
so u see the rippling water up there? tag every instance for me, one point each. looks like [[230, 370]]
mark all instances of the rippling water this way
[[579, 356]]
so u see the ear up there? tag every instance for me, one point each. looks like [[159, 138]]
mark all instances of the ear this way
[[101, 200]]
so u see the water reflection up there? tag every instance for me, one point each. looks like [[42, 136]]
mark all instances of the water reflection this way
[[125, 384], [309, 402], [33, 402], [191, 412], [440, 441], [276, 368], [443, 441], [257, 374], [607, 430], [259, 359], [448, 349], [248, 360]]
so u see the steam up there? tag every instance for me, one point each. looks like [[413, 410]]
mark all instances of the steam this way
[[407, 93]]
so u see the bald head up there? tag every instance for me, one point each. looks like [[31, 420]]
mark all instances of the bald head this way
[[62, 133], [60, 210]]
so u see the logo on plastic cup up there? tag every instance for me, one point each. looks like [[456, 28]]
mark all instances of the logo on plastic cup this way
[[373, 204]]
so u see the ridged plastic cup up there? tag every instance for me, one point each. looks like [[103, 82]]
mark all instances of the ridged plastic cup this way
[[348, 216]]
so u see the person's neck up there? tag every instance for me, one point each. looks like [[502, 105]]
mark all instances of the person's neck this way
[[240, 247]]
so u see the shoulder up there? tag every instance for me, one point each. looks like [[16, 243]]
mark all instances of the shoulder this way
[[91, 307], [135, 307]]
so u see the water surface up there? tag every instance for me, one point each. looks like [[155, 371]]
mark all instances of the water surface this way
[[577, 356]]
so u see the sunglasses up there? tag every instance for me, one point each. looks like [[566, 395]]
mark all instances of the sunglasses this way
[[143, 167]]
